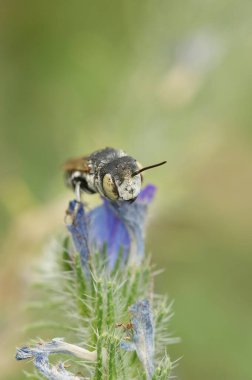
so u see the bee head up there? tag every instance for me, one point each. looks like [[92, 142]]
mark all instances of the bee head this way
[[118, 181], [122, 178]]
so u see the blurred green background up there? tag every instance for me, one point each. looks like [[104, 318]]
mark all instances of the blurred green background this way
[[162, 80]]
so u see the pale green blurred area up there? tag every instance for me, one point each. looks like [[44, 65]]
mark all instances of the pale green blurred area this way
[[162, 80]]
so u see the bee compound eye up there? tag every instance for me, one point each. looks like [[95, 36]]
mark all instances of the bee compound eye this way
[[109, 187]]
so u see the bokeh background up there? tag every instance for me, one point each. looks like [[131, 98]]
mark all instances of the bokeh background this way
[[162, 80]]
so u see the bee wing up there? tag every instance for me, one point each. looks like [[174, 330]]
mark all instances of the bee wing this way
[[77, 164]]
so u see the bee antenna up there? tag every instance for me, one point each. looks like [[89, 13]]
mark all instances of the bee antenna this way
[[148, 167]]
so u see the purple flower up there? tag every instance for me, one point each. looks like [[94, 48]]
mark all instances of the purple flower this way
[[41, 352], [116, 225], [107, 230], [143, 335], [41, 362], [76, 223]]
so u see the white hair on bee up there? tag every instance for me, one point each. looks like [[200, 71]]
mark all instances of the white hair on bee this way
[[129, 188]]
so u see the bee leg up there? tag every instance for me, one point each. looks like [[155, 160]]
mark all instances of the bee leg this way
[[77, 191]]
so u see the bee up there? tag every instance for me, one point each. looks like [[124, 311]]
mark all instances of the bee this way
[[110, 172]]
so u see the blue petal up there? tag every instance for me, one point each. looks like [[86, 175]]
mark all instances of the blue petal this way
[[116, 225], [41, 362], [143, 334], [41, 351], [127, 346], [147, 194], [133, 216], [107, 229], [77, 225]]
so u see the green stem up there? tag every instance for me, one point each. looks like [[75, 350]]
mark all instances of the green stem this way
[[122, 370], [125, 287], [99, 309], [118, 262], [133, 292], [99, 364], [81, 287], [66, 266], [110, 306], [111, 359]]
